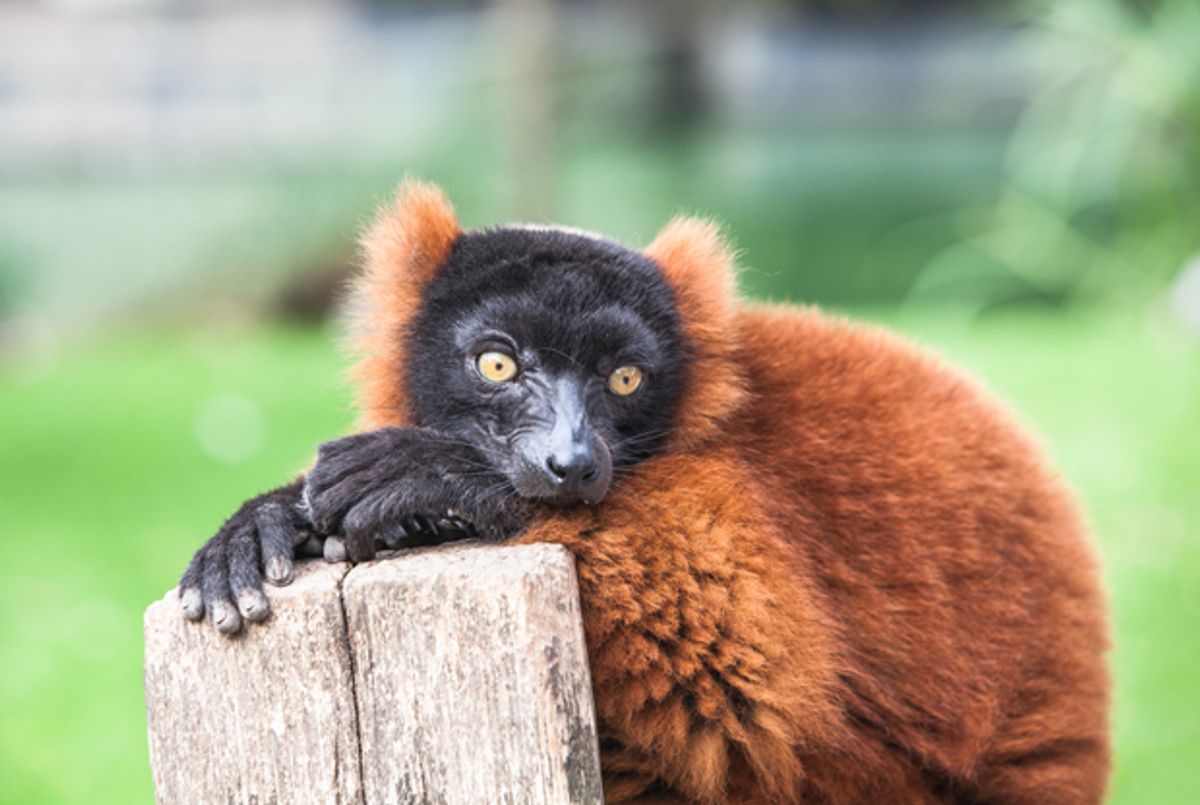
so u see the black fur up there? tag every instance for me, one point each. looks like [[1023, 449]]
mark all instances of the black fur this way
[[573, 305], [569, 309], [390, 482], [261, 535]]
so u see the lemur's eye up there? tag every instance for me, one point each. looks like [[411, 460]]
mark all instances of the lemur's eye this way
[[496, 367], [625, 380]]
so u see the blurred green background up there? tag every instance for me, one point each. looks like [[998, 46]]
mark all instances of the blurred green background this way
[[1016, 184]]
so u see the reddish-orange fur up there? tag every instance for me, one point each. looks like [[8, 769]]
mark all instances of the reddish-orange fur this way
[[402, 250], [849, 578]]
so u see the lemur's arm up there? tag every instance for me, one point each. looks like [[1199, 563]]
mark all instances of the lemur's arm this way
[[391, 486], [384, 484]]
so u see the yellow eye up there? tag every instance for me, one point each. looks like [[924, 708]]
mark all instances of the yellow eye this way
[[625, 380], [496, 367]]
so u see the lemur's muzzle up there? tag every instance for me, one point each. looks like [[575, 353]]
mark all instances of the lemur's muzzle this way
[[574, 461], [580, 470]]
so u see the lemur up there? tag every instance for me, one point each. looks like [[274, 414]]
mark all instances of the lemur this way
[[815, 563]]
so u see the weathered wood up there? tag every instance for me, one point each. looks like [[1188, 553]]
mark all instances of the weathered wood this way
[[472, 677], [456, 674], [267, 716]]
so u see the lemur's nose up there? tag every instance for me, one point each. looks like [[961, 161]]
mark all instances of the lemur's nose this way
[[574, 471], [576, 460], [580, 470]]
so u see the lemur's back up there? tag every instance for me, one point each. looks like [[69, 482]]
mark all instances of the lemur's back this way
[[954, 561]]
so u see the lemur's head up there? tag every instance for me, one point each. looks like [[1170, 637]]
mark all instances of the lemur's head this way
[[559, 355]]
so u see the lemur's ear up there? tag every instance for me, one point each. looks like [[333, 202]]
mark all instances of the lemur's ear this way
[[700, 268], [402, 250]]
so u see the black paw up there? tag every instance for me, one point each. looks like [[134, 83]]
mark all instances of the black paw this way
[[406, 486], [225, 578]]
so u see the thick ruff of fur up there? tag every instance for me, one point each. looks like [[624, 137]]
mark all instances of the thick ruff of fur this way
[[850, 577]]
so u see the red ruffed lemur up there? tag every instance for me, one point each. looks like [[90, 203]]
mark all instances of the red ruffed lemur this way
[[815, 563]]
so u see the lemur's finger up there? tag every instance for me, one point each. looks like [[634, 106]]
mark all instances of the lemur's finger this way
[[465, 527], [392, 534], [334, 550], [374, 516], [421, 531], [453, 528], [360, 546], [276, 533], [215, 587], [191, 601], [328, 506], [245, 579]]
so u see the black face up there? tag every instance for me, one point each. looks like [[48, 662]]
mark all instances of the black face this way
[[557, 355]]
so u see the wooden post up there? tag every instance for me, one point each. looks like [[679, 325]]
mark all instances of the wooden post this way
[[455, 674]]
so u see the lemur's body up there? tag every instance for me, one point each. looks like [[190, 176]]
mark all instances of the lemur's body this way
[[827, 569]]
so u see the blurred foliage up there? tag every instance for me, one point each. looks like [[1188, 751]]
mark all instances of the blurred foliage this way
[[835, 216], [8, 287], [1101, 196], [1094, 196]]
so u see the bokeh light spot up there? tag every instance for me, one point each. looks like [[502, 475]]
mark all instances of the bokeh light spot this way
[[230, 428]]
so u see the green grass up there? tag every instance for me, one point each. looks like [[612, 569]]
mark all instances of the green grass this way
[[104, 490], [106, 487]]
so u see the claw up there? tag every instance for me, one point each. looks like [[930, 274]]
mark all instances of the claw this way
[[393, 535], [253, 605], [192, 603], [225, 617], [456, 520], [279, 570]]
